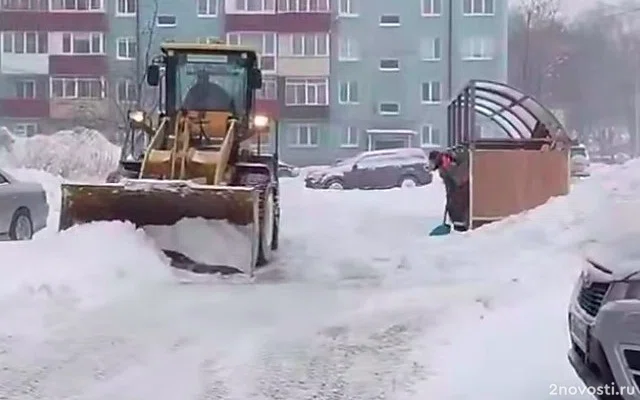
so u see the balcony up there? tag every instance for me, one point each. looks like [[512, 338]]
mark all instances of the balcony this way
[[53, 21], [79, 109], [94, 65], [32, 64], [304, 66], [24, 108], [283, 23]]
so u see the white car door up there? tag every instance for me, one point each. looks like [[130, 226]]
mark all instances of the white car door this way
[[6, 204]]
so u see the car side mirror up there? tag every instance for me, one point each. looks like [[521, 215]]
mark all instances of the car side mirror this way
[[153, 75], [255, 79]]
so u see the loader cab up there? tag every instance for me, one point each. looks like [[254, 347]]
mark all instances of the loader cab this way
[[207, 78]]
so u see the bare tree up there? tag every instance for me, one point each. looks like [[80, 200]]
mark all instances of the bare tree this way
[[145, 42], [533, 25]]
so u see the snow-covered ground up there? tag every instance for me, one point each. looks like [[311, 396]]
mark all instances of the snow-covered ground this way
[[361, 304]]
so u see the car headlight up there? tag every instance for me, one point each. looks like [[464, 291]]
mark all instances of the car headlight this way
[[136, 116], [261, 121]]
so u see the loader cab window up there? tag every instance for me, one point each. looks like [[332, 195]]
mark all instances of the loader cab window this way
[[211, 83]]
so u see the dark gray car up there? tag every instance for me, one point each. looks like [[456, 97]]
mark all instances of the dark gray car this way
[[380, 169], [23, 208]]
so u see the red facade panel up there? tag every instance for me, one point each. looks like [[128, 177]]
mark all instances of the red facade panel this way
[[270, 108], [283, 23], [24, 108], [53, 21], [78, 65]]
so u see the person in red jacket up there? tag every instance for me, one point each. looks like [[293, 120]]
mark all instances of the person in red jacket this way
[[446, 165]]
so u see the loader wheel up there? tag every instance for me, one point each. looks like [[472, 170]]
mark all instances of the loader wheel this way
[[268, 222], [267, 225]]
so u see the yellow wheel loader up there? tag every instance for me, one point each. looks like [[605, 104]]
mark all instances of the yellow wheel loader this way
[[198, 186]]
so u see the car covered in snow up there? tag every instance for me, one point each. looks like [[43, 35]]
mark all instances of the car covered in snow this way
[[580, 162], [23, 208], [379, 169], [287, 170], [604, 321]]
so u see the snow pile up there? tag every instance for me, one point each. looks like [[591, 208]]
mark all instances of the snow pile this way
[[360, 303], [75, 154]]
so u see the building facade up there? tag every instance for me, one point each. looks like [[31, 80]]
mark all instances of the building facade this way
[[53, 63], [340, 76]]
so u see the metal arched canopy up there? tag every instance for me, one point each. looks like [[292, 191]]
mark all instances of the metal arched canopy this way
[[524, 116]]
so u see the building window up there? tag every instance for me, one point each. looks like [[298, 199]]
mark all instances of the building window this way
[[389, 108], [350, 137], [430, 136], [431, 49], [269, 90], [389, 64], [265, 43], [431, 92], [25, 42], [431, 8], [303, 6], [24, 5], [78, 88], [348, 49], [348, 92], [389, 20], [307, 45], [83, 43], [127, 48], [166, 21], [477, 49], [306, 92], [346, 8], [26, 129], [77, 5], [127, 91], [306, 135], [255, 6], [478, 7], [207, 8], [26, 89], [127, 8]]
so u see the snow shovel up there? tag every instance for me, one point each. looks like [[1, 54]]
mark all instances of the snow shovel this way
[[442, 229]]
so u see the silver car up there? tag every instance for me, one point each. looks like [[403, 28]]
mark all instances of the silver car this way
[[23, 208], [604, 322]]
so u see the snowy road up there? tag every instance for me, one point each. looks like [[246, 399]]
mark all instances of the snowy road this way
[[360, 305]]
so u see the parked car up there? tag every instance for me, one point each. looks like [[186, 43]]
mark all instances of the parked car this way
[[380, 169], [580, 162], [287, 170], [604, 322], [23, 208]]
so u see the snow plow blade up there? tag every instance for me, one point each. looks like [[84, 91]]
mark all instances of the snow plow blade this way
[[177, 214]]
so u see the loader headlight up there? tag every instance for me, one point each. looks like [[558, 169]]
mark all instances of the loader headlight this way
[[136, 116], [261, 121]]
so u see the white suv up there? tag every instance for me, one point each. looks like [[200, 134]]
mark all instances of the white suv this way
[[580, 162]]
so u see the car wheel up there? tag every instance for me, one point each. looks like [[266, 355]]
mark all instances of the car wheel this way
[[408, 182], [335, 184], [21, 225]]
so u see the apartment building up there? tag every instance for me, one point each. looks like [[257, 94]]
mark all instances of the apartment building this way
[[53, 64], [396, 64], [134, 40], [340, 76]]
